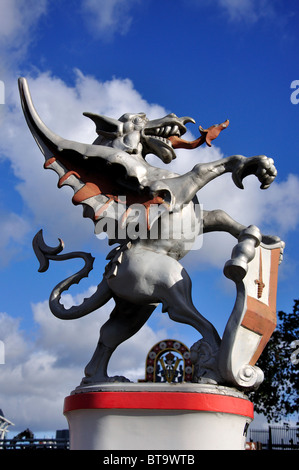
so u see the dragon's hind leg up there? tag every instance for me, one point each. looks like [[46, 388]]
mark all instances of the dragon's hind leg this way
[[150, 277], [125, 320], [177, 301]]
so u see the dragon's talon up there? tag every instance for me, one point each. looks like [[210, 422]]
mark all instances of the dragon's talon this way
[[104, 379], [260, 166]]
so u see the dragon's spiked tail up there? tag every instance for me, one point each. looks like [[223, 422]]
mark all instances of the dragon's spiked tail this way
[[102, 295]]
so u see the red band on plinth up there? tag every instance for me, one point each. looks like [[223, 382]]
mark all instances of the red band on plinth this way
[[159, 401]]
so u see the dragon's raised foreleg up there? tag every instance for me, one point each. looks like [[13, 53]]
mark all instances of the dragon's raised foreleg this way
[[102, 295], [240, 167], [185, 187]]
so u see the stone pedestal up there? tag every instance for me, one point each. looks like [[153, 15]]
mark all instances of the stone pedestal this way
[[147, 416]]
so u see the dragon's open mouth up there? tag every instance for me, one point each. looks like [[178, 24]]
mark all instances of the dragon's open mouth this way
[[162, 140], [163, 135], [157, 136], [166, 131]]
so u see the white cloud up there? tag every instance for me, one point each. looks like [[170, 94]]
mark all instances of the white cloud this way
[[17, 20], [244, 11], [105, 19], [15, 344], [14, 230], [281, 207], [39, 372], [247, 10], [17, 16]]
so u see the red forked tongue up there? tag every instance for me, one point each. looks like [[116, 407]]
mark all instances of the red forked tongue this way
[[207, 135]]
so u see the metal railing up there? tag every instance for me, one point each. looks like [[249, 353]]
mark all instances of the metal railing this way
[[276, 437], [273, 438], [32, 444]]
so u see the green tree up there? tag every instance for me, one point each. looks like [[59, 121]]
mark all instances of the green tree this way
[[278, 396]]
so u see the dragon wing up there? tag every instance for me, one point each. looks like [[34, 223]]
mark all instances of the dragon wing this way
[[112, 185]]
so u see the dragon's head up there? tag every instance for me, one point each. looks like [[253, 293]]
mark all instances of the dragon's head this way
[[135, 133]]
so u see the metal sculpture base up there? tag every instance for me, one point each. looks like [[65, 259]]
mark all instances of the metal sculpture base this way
[[148, 416]]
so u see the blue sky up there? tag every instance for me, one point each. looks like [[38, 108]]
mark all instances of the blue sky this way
[[211, 60]]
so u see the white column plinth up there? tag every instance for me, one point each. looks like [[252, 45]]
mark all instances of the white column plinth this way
[[147, 416]]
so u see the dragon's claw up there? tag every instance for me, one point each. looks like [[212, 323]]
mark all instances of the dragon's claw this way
[[266, 172], [260, 166]]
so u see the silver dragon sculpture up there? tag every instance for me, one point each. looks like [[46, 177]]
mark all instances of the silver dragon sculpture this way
[[149, 213]]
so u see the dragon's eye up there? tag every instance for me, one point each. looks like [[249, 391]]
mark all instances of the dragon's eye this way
[[138, 120]]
